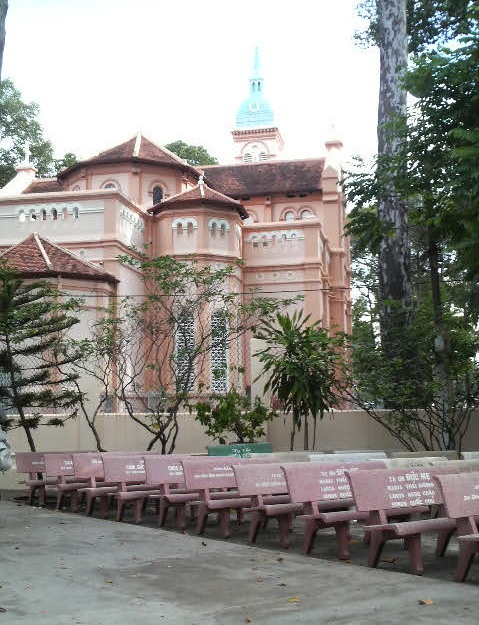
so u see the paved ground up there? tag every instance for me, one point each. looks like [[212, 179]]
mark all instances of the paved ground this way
[[62, 569]]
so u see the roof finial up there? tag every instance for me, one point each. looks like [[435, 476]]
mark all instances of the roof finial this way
[[26, 150], [201, 182]]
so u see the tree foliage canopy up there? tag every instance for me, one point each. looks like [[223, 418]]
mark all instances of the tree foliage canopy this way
[[194, 154]]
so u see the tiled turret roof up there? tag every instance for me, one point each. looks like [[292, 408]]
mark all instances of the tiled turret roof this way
[[139, 149], [202, 195], [37, 257]]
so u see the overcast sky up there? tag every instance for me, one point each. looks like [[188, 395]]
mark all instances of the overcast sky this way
[[178, 69]]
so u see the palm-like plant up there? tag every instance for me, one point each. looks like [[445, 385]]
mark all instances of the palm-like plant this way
[[303, 364]]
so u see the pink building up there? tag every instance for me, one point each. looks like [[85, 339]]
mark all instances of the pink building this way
[[283, 218]]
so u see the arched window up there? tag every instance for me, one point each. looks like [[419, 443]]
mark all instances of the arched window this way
[[185, 352], [76, 188], [306, 214], [222, 230], [214, 229], [262, 156], [157, 194], [32, 215], [65, 214], [265, 241], [21, 215], [254, 241], [109, 185], [289, 216], [44, 215], [75, 212], [189, 228], [54, 214], [247, 158], [179, 229], [219, 353]]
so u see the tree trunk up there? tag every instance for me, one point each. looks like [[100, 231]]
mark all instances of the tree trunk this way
[[395, 288], [3, 15]]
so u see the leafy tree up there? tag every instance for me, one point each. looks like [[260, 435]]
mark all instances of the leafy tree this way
[[153, 354], [194, 154], [3, 15], [235, 414], [304, 365], [32, 326], [435, 170], [19, 125]]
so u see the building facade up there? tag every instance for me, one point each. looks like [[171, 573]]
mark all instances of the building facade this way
[[283, 218]]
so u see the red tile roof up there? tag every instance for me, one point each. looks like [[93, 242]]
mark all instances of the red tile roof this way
[[43, 185], [252, 179], [136, 149], [200, 194], [37, 257]]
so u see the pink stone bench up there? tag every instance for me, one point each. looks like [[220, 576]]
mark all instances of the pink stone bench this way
[[323, 489], [460, 494], [208, 476], [166, 473], [60, 467], [129, 473], [266, 486], [380, 492], [33, 463]]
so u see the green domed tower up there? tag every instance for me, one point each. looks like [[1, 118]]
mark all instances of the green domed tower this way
[[256, 137]]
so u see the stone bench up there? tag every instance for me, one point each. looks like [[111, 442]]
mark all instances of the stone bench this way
[[460, 494], [378, 492]]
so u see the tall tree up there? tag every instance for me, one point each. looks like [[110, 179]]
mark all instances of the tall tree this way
[[395, 289], [32, 325], [3, 15]]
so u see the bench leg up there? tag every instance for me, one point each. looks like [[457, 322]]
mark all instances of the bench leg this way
[[342, 539], [162, 512], [104, 506], [310, 529], [120, 509], [376, 544], [284, 522], [60, 496], [74, 501], [201, 519], [181, 517], [256, 519], [139, 503], [466, 556], [413, 544], [442, 543], [90, 502], [225, 523]]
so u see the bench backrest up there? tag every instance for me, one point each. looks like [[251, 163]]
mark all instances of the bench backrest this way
[[470, 455], [58, 465], [396, 488], [30, 462], [353, 457], [284, 456], [88, 465], [449, 453], [310, 482], [260, 479], [404, 463], [124, 469], [213, 472], [460, 493], [165, 469]]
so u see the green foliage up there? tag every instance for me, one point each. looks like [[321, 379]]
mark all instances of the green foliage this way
[[233, 414], [154, 354], [19, 125], [303, 363], [194, 154], [429, 21], [32, 326]]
